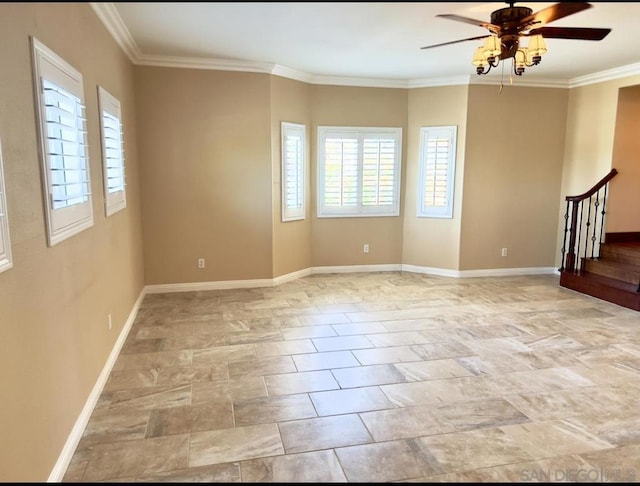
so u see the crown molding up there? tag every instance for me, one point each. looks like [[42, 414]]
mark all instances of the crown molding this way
[[113, 22], [111, 19], [205, 63], [522, 81], [360, 82], [434, 82], [607, 75], [290, 73], [264, 68]]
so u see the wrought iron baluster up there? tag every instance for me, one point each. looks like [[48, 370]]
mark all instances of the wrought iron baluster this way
[[604, 202], [595, 225], [577, 265], [564, 240], [586, 237], [575, 223]]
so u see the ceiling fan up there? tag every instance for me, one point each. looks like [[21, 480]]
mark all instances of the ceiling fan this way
[[509, 24]]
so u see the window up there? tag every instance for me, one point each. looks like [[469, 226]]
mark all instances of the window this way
[[64, 157], [112, 152], [437, 168], [5, 245], [359, 171], [293, 163]]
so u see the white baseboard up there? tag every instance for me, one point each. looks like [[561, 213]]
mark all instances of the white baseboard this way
[[288, 277], [391, 267], [266, 282], [61, 465], [489, 272], [507, 272], [219, 285], [440, 272]]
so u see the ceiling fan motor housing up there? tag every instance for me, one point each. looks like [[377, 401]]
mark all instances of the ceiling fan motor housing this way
[[510, 16], [509, 19]]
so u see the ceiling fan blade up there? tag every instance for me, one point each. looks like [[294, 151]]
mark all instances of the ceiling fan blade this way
[[456, 41], [480, 23], [555, 12], [578, 33]]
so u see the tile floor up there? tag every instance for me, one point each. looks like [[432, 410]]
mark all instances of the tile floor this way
[[372, 377]]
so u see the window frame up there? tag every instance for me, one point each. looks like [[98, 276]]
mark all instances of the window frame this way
[[359, 210], [297, 213], [6, 259], [64, 222], [117, 200], [426, 134]]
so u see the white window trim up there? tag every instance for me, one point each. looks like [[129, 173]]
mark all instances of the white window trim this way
[[68, 221], [426, 134], [6, 260], [359, 211], [113, 201], [287, 129]]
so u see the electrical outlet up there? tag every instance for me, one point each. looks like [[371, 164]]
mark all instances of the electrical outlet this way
[[504, 252], [366, 248], [109, 319], [200, 262]]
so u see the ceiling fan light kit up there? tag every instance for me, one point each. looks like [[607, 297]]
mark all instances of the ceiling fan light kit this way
[[509, 24], [490, 54]]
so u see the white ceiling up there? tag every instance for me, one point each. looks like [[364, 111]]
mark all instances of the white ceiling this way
[[374, 42]]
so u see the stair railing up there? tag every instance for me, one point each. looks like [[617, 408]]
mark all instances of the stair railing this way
[[585, 233]]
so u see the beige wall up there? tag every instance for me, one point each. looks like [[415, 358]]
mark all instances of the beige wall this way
[[513, 169], [591, 125], [340, 241], [433, 242], [55, 301], [623, 206], [205, 146], [292, 239], [208, 145]]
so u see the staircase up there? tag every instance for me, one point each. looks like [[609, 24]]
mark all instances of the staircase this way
[[614, 275], [607, 268]]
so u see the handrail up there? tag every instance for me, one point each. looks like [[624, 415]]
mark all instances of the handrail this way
[[574, 222], [594, 189]]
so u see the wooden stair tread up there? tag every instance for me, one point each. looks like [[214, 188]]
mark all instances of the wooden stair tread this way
[[616, 264], [625, 237], [633, 247], [606, 288], [629, 244], [613, 268], [610, 282], [628, 253]]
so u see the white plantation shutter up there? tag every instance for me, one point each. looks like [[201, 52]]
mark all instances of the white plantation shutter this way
[[115, 197], [63, 143], [66, 146], [359, 171], [437, 171], [6, 261], [341, 172], [293, 170], [378, 172]]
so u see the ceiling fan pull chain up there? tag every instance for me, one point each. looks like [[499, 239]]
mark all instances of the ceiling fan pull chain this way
[[513, 62]]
